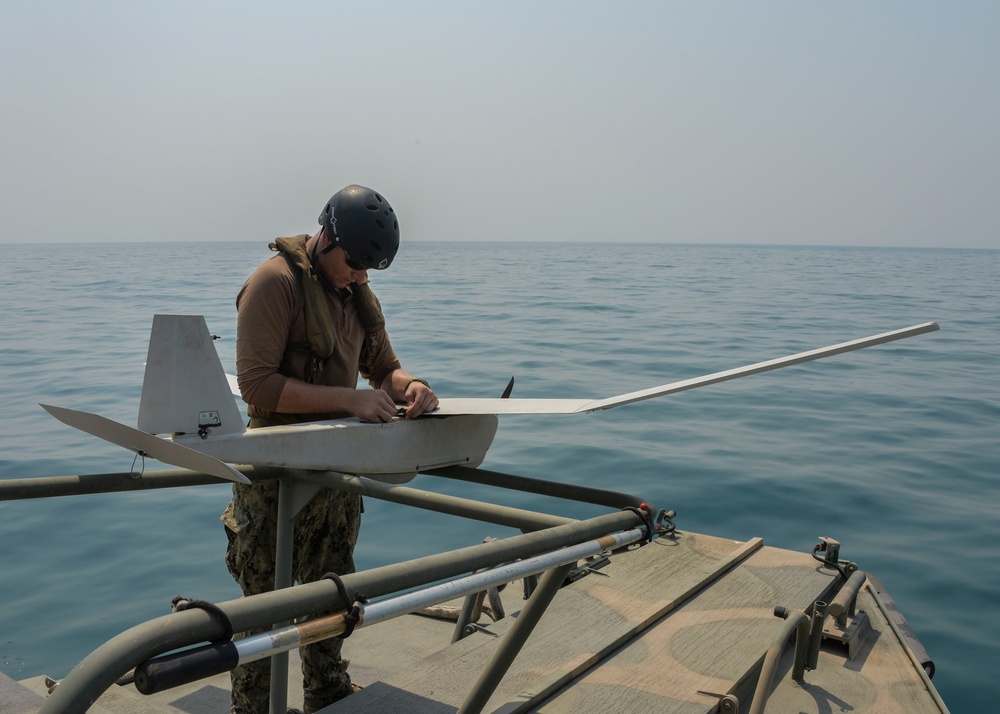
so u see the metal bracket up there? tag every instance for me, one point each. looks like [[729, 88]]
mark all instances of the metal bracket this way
[[728, 703], [300, 492], [665, 522], [591, 564], [853, 635], [830, 549], [207, 420]]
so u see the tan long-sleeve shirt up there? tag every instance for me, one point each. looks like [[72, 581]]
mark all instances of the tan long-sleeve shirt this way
[[272, 343]]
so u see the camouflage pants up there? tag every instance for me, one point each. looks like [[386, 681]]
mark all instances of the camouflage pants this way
[[326, 530]]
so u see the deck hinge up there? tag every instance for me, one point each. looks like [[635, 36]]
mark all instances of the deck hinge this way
[[728, 703]]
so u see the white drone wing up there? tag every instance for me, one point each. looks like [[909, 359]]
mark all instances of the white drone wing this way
[[578, 406]]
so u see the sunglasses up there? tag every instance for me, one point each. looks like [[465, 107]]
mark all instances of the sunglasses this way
[[352, 263]]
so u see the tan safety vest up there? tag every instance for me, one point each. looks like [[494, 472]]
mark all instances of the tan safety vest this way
[[319, 324]]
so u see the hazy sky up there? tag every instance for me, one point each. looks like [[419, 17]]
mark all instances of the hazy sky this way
[[813, 121]]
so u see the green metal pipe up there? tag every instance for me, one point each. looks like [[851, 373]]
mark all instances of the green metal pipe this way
[[843, 604], [53, 486], [283, 578], [472, 606], [76, 485], [573, 492], [102, 668], [519, 518], [818, 617], [514, 640], [795, 621]]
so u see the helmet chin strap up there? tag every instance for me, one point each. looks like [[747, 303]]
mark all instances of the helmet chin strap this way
[[314, 257]]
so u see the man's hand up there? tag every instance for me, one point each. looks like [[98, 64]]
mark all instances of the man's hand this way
[[373, 405], [420, 399]]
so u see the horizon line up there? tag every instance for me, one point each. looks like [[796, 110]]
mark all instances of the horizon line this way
[[721, 244]]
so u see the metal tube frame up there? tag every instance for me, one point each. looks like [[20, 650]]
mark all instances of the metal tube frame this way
[[544, 532], [572, 492], [519, 518], [472, 607], [797, 622], [512, 643], [180, 667], [17, 489], [283, 553]]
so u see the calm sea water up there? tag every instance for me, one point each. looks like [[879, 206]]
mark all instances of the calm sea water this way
[[894, 450]]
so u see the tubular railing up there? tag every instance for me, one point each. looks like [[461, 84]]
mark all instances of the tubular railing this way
[[543, 536]]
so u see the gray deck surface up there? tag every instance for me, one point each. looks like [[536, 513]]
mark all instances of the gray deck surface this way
[[667, 627]]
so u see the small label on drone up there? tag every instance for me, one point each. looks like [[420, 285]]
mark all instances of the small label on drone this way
[[209, 419]]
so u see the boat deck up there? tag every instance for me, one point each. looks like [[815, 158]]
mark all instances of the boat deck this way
[[672, 626]]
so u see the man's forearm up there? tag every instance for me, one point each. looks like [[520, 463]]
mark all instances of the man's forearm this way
[[298, 397], [395, 384]]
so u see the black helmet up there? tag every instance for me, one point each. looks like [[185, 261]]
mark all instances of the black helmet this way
[[361, 222]]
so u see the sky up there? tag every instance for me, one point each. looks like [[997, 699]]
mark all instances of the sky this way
[[797, 122]]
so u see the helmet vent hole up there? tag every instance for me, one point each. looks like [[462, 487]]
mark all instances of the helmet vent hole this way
[[372, 207], [378, 222], [376, 246]]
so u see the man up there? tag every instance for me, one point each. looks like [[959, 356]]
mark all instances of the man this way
[[307, 325]]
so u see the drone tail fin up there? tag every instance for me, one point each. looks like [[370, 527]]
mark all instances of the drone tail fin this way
[[185, 390]]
